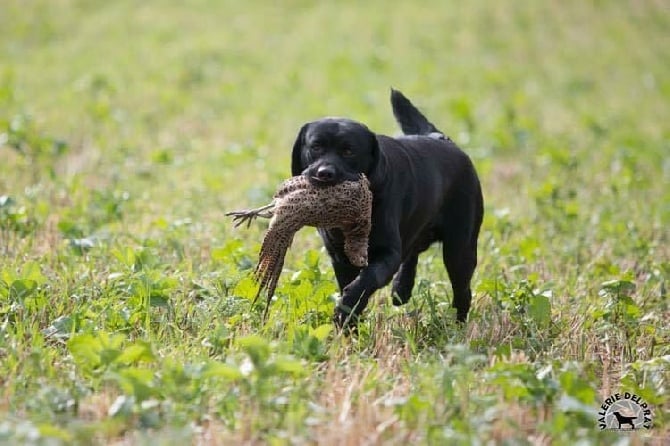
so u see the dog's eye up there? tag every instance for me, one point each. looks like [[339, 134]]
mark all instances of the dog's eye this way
[[316, 149], [347, 152]]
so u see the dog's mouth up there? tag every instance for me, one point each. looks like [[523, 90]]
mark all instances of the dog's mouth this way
[[320, 183], [316, 180], [335, 179]]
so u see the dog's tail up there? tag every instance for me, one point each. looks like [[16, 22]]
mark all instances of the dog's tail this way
[[409, 118]]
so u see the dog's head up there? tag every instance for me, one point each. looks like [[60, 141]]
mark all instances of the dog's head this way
[[331, 150]]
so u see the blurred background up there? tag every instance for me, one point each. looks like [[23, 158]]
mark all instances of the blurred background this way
[[181, 110]]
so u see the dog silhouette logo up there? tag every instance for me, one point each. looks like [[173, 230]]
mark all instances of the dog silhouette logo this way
[[622, 420], [625, 412]]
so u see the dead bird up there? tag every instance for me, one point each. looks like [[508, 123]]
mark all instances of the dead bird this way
[[346, 206]]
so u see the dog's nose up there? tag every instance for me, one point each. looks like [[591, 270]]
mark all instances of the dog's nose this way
[[325, 173]]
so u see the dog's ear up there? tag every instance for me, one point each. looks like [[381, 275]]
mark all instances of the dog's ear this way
[[296, 155], [374, 156]]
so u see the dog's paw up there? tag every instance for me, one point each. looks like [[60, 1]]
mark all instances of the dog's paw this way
[[345, 320]]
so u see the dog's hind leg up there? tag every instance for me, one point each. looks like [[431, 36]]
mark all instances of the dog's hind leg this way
[[460, 231], [460, 261], [403, 282]]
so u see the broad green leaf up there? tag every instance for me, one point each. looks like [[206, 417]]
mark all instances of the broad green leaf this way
[[7, 276], [539, 309], [92, 351], [321, 332], [125, 255], [257, 348], [60, 328], [32, 271], [159, 301], [225, 253], [85, 349], [51, 431], [289, 366], [246, 288], [577, 387], [221, 370], [22, 288], [137, 382], [139, 351], [570, 404], [618, 286]]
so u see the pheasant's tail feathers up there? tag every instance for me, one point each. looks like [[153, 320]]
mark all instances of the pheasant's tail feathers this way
[[270, 263]]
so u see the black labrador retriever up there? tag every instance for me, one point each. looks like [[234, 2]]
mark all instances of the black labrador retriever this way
[[425, 189]]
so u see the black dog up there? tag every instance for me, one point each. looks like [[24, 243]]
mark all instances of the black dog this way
[[425, 190], [622, 419]]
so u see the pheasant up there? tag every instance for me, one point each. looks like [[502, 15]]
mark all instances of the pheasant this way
[[346, 206]]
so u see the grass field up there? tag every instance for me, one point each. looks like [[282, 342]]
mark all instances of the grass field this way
[[127, 130]]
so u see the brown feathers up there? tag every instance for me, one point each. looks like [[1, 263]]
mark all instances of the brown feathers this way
[[297, 203]]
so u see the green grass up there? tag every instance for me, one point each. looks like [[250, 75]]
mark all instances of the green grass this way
[[128, 129]]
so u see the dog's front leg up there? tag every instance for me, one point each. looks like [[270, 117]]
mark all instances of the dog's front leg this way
[[355, 296]]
